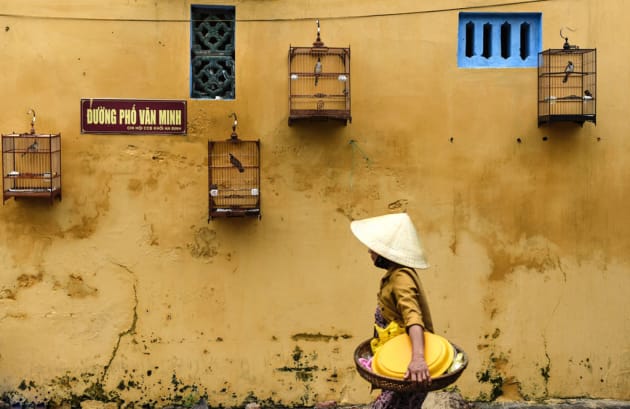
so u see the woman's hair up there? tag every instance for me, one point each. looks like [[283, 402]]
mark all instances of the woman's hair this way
[[382, 262]]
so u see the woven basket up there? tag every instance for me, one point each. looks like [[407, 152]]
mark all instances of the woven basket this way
[[400, 385]]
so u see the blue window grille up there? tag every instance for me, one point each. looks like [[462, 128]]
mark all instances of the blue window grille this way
[[499, 40], [212, 52]]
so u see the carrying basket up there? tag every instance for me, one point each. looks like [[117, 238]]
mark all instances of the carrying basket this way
[[401, 385]]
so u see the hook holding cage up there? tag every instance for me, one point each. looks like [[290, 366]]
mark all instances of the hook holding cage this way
[[566, 45], [234, 136], [31, 111], [318, 42]]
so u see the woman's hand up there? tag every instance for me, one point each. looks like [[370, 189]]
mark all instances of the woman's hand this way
[[417, 371]]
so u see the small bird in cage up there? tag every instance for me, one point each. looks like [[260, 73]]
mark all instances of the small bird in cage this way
[[32, 147], [588, 94], [568, 70], [318, 69], [236, 163]]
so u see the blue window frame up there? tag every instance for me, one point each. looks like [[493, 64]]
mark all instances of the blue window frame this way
[[499, 40]]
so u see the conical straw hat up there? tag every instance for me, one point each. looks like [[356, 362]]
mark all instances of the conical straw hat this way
[[392, 236]]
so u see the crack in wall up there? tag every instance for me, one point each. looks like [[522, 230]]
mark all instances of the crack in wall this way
[[130, 331], [544, 371]]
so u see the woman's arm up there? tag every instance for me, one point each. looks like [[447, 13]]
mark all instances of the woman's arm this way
[[418, 371]]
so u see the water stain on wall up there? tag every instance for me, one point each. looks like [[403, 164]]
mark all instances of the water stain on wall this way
[[23, 281], [76, 287], [532, 254], [90, 208], [204, 244], [29, 280], [134, 185]]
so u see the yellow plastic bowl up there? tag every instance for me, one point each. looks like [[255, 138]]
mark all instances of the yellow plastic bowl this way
[[393, 358]]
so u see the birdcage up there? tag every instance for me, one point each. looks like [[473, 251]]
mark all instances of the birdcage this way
[[319, 83], [31, 166], [567, 86], [234, 177]]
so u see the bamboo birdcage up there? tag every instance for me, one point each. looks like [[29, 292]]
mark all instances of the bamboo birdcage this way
[[567, 85], [233, 177], [319, 83], [31, 165]]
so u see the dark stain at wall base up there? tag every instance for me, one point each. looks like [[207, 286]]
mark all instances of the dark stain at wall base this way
[[180, 396], [494, 374], [302, 367], [61, 392], [318, 337]]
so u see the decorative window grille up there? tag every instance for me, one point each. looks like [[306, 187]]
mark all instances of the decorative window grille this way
[[31, 165], [319, 83], [567, 86], [233, 177], [212, 52], [499, 40]]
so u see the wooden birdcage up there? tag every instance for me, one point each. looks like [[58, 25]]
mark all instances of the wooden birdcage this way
[[233, 177], [567, 85], [31, 165], [319, 83]]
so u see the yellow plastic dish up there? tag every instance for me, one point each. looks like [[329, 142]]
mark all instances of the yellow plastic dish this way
[[393, 358]]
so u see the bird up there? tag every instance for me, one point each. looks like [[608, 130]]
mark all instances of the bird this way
[[568, 70], [236, 163], [318, 69], [587, 94], [32, 147]]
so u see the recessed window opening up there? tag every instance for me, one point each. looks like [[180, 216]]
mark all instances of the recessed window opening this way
[[487, 40], [470, 39], [506, 40], [499, 40], [524, 40]]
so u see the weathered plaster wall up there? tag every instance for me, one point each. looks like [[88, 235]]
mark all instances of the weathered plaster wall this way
[[122, 291]]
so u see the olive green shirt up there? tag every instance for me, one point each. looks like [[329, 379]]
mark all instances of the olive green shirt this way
[[402, 299]]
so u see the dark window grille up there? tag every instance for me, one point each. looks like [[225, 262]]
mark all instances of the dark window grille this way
[[212, 52]]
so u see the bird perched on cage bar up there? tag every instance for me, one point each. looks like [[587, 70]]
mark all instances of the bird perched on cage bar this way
[[588, 94], [32, 147], [568, 70], [236, 163], [318, 69]]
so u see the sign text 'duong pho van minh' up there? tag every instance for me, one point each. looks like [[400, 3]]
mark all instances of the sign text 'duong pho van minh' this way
[[133, 116]]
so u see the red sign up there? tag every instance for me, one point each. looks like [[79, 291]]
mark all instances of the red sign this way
[[133, 116]]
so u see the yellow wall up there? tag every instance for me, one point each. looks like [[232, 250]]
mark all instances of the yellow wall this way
[[123, 290]]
